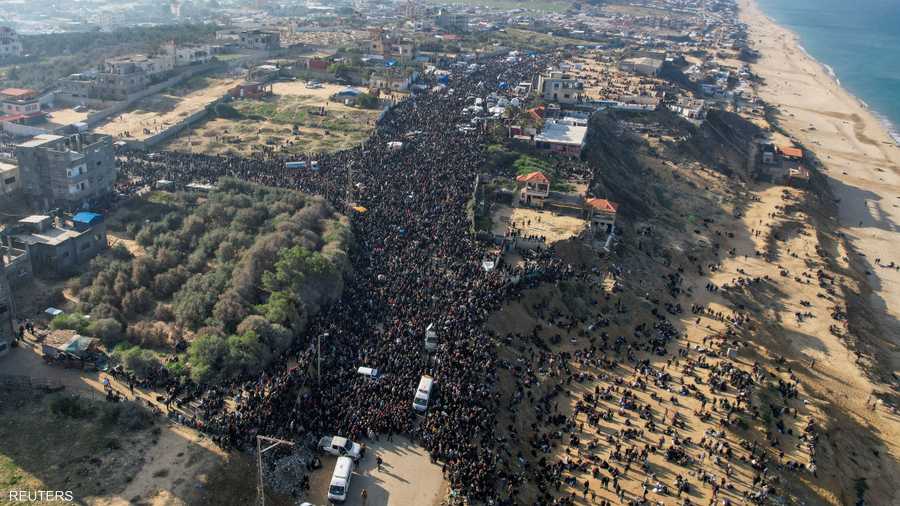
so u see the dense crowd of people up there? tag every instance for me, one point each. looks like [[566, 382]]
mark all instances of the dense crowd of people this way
[[415, 264]]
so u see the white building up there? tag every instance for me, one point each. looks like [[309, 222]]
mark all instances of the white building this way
[[564, 137]]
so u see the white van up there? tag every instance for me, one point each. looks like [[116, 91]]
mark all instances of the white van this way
[[340, 479], [423, 393]]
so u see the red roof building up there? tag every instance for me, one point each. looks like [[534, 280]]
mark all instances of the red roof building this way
[[533, 177], [791, 152], [602, 214], [536, 189]]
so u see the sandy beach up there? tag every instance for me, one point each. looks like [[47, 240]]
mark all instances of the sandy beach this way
[[860, 161], [859, 156]]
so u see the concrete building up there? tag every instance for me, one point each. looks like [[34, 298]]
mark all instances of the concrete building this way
[[641, 65], [601, 214], [562, 136], [452, 22], [259, 39], [20, 101], [66, 171], [392, 80], [56, 247], [10, 45], [194, 55], [558, 86], [9, 179], [390, 46], [117, 78], [535, 188], [16, 262]]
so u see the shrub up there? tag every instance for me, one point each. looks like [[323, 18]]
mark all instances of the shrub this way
[[108, 330], [75, 321], [126, 415], [141, 362], [70, 407], [120, 252], [148, 334], [207, 355]]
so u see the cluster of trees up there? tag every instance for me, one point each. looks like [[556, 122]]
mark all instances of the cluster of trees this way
[[238, 274]]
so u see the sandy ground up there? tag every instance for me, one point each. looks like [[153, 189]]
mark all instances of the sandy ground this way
[[67, 116], [861, 160], [174, 469], [158, 112], [554, 227], [245, 137], [407, 477]]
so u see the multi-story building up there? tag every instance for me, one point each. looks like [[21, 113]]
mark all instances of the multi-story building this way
[[117, 78], [602, 215], [260, 39], [535, 189], [558, 86], [58, 247], [9, 179], [453, 22], [66, 171], [20, 101], [390, 46], [10, 45]]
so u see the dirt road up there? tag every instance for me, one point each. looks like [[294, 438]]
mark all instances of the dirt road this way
[[407, 477]]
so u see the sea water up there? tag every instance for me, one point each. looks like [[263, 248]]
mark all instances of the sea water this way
[[858, 41]]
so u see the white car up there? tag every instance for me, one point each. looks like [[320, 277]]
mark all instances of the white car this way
[[341, 447]]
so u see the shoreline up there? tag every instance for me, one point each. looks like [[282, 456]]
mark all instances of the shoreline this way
[[891, 129], [859, 156]]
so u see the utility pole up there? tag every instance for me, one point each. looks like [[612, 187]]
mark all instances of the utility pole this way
[[273, 443]]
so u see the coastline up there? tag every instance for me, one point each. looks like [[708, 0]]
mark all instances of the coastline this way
[[860, 158], [892, 130]]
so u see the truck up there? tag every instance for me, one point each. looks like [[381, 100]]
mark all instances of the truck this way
[[341, 447]]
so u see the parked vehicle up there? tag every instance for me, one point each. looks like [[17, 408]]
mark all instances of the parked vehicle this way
[[340, 480], [423, 393], [340, 446]]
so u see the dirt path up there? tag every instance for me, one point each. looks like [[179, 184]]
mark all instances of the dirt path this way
[[174, 469]]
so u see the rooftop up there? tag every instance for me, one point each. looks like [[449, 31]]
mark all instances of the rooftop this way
[[791, 152], [6, 167], [34, 219], [559, 133], [51, 237], [40, 140], [603, 205], [533, 177], [16, 92]]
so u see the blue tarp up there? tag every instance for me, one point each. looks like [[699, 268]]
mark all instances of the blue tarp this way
[[87, 218], [444, 79]]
